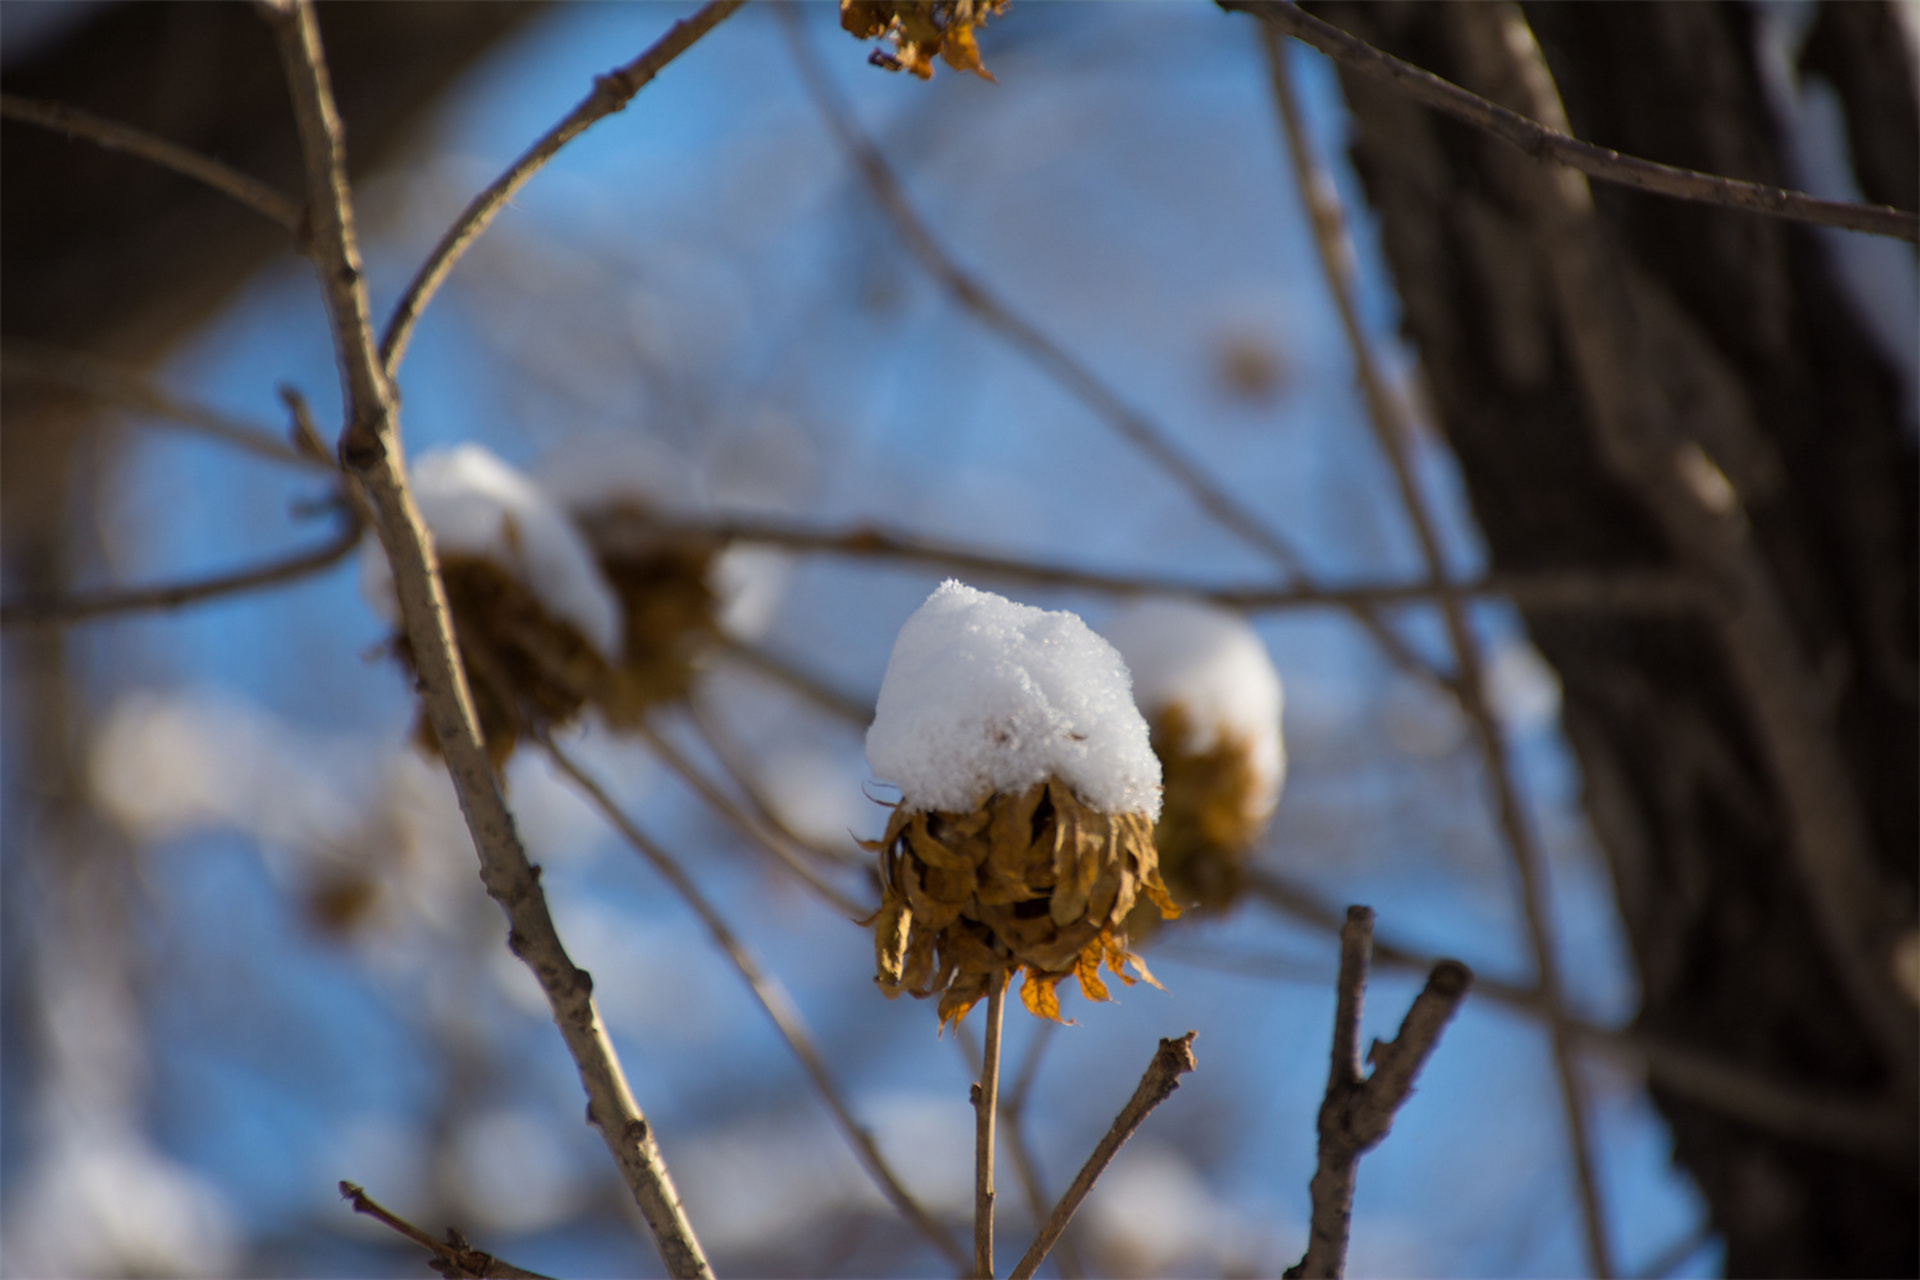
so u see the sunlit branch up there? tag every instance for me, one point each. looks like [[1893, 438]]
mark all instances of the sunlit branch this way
[[1023, 336], [773, 998], [1612, 592], [1869, 1125], [611, 93], [986, 1110], [453, 1257], [1392, 431], [1543, 143], [113, 384], [93, 606], [1172, 1060], [370, 451], [1357, 1110], [1013, 1128], [111, 135]]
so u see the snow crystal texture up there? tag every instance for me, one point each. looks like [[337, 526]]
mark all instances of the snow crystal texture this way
[[984, 695], [476, 505], [1209, 662]]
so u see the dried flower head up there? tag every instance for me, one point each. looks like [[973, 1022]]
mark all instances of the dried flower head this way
[[920, 30], [1212, 700], [1024, 832]]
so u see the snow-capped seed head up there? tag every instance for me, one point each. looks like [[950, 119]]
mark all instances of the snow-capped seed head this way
[[1024, 833], [983, 695], [1212, 700], [536, 623], [478, 506]]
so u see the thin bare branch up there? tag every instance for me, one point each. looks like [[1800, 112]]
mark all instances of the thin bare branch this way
[[453, 1256], [111, 135], [1614, 593], [1357, 1112], [1543, 143], [760, 836], [726, 750], [1392, 432], [370, 449], [1172, 1060], [986, 1109], [114, 384], [65, 611], [773, 998], [611, 93], [855, 711], [1146, 435], [1873, 1126]]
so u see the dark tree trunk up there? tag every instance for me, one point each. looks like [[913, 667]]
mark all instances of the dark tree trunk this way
[[1708, 400]]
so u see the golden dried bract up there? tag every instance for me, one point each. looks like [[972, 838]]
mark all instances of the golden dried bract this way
[[921, 30], [1213, 811], [669, 622], [1036, 882]]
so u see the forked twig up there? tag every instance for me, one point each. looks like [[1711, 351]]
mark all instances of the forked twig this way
[[1013, 1126], [611, 93], [773, 999], [1357, 1110], [370, 450], [64, 611], [1173, 1059], [1543, 143], [453, 1257], [1392, 431], [111, 135]]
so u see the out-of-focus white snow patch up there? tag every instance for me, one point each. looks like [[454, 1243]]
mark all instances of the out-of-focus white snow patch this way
[[509, 1171], [602, 470], [101, 1201], [816, 796], [1209, 662], [477, 505], [1152, 1215], [1524, 690], [750, 583], [984, 695]]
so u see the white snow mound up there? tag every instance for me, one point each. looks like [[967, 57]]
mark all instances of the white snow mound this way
[[477, 505], [984, 695], [1209, 662]]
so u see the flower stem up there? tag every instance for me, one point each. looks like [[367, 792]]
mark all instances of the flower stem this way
[[986, 1101]]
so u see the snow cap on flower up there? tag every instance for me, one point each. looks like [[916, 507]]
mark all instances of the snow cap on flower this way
[[983, 695], [1023, 838], [476, 505]]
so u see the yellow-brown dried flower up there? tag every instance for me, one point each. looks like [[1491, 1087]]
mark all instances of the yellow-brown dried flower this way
[[1036, 882], [1213, 811], [668, 613], [921, 30]]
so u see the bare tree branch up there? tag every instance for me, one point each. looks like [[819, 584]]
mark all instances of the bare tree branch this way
[[1357, 1111], [1142, 432], [92, 606], [1543, 143], [114, 384], [370, 449], [453, 1257], [1013, 1119], [1391, 432], [774, 999], [114, 136], [1173, 1060], [611, 93], [1612, 592]]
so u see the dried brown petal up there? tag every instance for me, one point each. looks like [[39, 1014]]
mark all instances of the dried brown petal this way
[[922, 30], [1211, 817]]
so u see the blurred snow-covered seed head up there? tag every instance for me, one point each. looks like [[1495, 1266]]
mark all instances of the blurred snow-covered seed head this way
[[1213, 702]]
